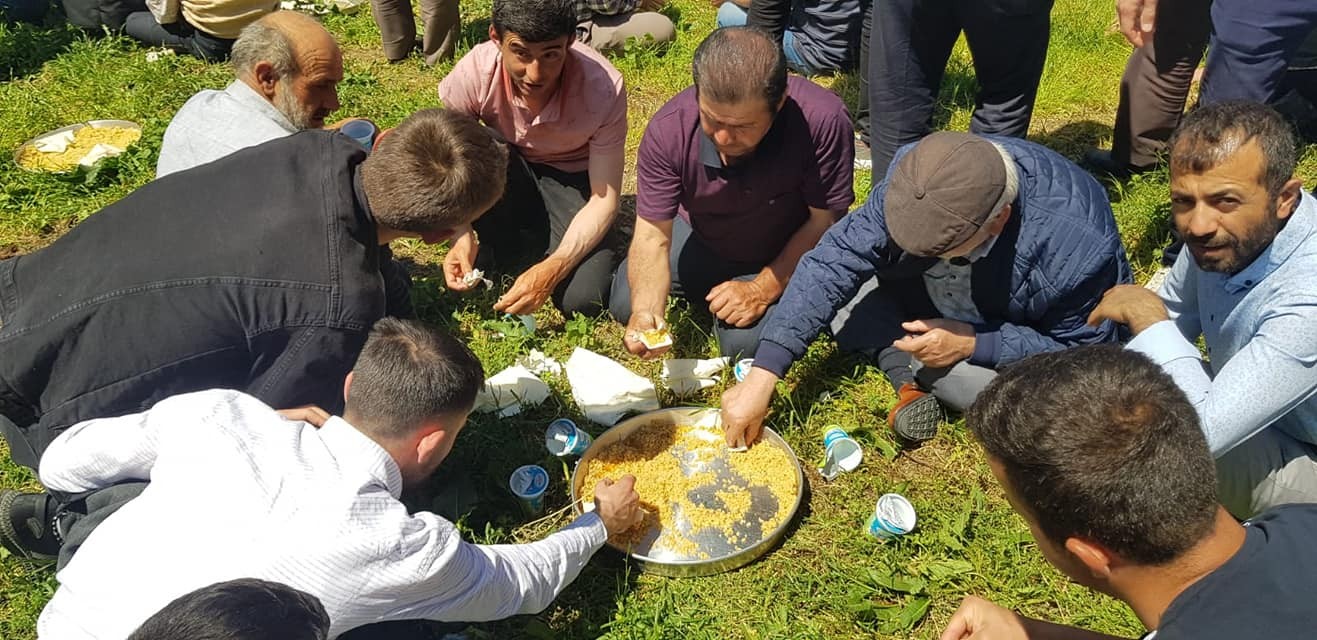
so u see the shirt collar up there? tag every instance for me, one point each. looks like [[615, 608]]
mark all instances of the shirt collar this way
[[709, 152], [351, 447], [246, 96], [1297, 230]]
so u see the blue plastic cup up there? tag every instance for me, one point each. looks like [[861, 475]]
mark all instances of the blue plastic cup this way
[[564, 438], [363, 131], [528, 483], [893, 516], [842, 453]]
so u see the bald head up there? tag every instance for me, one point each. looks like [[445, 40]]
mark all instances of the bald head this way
[[291, 59]]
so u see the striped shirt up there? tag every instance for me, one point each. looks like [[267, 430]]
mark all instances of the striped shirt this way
[[238, 491]]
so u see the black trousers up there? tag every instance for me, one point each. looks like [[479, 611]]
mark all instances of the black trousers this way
[[177, 35], [910, 45], [695, 270], [538, 205]]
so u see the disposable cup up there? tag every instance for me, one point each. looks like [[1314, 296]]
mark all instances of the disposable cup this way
[[564, 438], [742, 368], [363, 131], [528, 484], [893, 516], [841, 453]]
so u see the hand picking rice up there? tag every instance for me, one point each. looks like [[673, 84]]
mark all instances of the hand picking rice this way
[[84, 139], [670, 499]]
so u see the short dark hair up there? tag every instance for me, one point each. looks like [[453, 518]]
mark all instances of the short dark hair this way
[[735, 64], [535, 20], [1099, 443], [438, 169], [244, 609], [409, 373], [1210, 134]]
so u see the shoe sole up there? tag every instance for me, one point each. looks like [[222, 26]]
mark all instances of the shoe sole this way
[[918, 421], [9, 537]]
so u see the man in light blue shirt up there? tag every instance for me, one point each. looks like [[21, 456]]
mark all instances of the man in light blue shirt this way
[[288, 69], [1248, 286]]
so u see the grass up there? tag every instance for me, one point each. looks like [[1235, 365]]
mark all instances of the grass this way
[[827, 580]]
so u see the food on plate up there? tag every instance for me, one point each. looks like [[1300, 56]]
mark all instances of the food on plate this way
[[677, 505], [65, 150]]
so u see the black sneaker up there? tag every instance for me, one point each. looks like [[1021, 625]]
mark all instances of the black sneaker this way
[[27, 525], [1099, 161]]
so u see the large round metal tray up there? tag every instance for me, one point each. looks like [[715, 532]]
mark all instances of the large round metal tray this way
[[715, 553], [126, 124]]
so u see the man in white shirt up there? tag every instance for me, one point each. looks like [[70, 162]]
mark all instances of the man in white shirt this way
[[288, 68], [317, 509]]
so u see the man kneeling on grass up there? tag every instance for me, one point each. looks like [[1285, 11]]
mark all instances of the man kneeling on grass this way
[[237, 490], [1109, 468]]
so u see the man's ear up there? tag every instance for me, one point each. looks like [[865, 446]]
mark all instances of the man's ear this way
[[1290, 194], [432, 442], [1000, 222], [1093, 556], [266, 78], [493, 35], [347, 384]]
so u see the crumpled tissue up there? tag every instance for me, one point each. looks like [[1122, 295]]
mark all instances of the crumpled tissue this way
[[98, 153], [54, 143], [540, 364], [686, 376], [509, 390], [605, 390]]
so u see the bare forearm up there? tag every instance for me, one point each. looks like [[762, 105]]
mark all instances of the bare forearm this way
[[1042, 630], [587, 230], [778, 272], [647, 271]]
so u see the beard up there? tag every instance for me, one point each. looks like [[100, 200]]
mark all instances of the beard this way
[[298, 115], [1241, 250]]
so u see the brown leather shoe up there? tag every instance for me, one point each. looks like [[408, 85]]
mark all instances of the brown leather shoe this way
[[916, 415]]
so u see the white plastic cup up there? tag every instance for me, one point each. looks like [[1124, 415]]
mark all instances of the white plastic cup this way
[[842, 453], [363, 131], [893, 516], [564, 438], [742, 368], [528, 483]]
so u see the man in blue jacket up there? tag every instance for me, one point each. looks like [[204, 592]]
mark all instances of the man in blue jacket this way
[[973, 253]]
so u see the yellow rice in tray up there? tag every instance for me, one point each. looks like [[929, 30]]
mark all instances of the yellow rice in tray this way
[[647, 453], [83, 141]]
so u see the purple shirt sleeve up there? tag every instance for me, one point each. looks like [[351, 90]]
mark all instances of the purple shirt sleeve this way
[[658, 173], [831, 186]]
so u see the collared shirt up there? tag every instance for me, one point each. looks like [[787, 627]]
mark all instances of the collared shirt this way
[[586, 116], [1260, 326], [212, 124], [749, 211], [948, 285], [237, 491]]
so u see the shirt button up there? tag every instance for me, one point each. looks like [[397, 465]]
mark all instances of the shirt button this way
[[1248, 283], [948, 295]]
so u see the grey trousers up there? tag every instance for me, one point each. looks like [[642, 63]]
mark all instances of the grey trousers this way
[[441, 25], [1267, 470], [610, 33], [871, 321]]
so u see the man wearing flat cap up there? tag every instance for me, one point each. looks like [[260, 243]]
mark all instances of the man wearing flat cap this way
[[973, 253]]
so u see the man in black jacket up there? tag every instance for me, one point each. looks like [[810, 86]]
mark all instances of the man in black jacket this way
[[258, 272]]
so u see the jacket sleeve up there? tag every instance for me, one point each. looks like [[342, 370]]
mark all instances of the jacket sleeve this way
[[1065, 321], [307, 366], [824, 281], [771, 16], [397, 285]]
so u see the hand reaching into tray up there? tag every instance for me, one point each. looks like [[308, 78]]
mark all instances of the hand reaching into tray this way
[[618, 504]]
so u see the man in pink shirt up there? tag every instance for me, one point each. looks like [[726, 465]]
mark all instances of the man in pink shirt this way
[[562, 108]]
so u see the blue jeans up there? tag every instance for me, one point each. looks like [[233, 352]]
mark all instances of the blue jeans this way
[[732, 15]]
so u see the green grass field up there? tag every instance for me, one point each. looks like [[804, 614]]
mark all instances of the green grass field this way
[[827, 580]]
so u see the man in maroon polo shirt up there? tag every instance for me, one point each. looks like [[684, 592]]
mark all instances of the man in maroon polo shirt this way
[[737, 177]]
